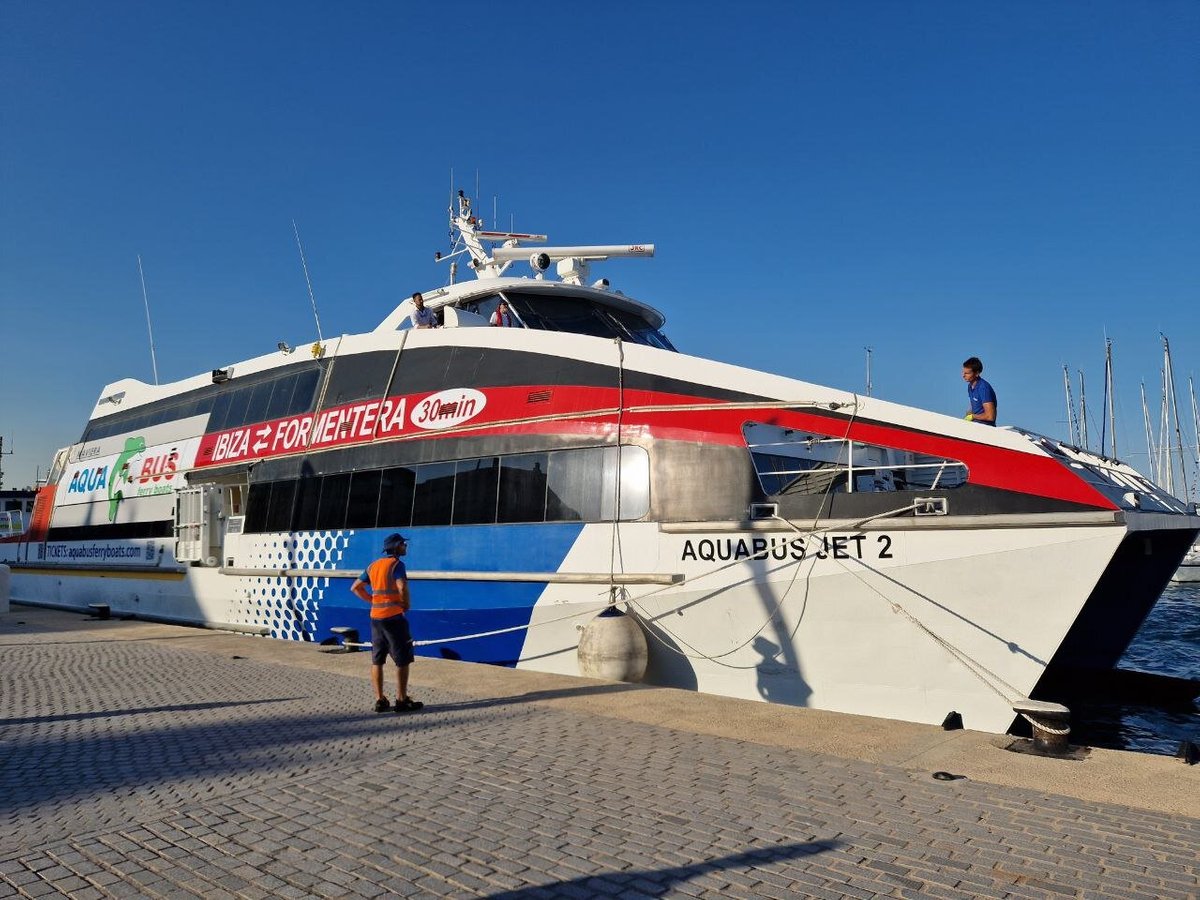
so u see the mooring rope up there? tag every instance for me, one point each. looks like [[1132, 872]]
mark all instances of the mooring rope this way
[[612, 554]]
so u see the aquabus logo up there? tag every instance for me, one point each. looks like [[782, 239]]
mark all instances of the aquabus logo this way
[[448, 408]]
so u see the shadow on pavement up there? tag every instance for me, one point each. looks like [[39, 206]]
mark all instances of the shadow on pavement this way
[[657, 882], [113, 713], [589, 690]]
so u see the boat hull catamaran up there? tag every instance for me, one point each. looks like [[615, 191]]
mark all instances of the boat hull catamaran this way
[[773, 539]]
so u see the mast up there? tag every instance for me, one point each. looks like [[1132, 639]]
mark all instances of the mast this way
[[1111, 422], [1174, 401], [1083, 429], [1195, 431], [1165, 470], [1153, 462], [1072, 420]]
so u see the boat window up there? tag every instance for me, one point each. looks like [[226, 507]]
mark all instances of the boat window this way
[[635, 483], [576, 485], [154, 414], [308, 500], [523, 488], [305, 391], [433, 494], [331, 514], [788, 461], [259, 497], [359, 376], [580, 315], [220, 410], [639, 330], [279, 509], [475, 487], [239, 400], [281, 397], [396, 497], [260, 399], [364, 499]]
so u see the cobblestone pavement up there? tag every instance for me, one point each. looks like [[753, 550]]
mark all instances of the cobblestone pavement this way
[[145, 768]]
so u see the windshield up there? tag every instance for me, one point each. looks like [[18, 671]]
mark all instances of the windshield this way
[[579, 315]]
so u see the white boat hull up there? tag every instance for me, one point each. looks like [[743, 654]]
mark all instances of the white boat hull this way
[[937, 628], [1189, 569]]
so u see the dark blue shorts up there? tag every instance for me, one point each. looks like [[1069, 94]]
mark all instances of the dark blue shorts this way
[[391, 637]]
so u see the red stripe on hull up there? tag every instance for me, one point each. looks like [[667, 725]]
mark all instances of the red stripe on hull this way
[[543, 409]]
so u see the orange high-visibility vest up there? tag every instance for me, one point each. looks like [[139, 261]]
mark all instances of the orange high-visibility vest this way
[[385, 600]]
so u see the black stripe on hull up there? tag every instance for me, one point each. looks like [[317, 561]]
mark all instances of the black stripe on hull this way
[[1128, 589], [437, 368]]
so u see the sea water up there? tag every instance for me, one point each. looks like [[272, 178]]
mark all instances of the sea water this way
[[1168, 643]]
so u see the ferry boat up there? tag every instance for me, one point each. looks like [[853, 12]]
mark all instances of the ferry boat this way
[[773, 539]]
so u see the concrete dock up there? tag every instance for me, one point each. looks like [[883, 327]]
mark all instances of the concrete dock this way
[[141, 759]]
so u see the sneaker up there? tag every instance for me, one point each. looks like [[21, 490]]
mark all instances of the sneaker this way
[[382, 705], [409, 705]]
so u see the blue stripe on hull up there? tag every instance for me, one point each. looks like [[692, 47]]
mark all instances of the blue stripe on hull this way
[[443, 610]]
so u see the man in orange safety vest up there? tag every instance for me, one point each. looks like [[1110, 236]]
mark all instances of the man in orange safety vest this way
[[384, 585]]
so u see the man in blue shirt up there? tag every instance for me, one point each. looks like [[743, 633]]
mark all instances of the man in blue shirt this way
[[979, 392]]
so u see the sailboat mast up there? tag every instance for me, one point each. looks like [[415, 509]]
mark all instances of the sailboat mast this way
[[1166, 471], [1153, 464], [1195, 431], [1108, 392], [1175, 413], [1072, 436], [1083, 429]]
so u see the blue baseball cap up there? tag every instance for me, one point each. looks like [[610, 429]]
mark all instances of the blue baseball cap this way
[[394, 540]]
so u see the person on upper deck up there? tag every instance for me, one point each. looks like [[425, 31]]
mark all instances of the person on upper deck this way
[[979, 393], [502, 317], [422, 316]]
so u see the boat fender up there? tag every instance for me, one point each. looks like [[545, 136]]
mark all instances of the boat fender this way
[[613, 647]]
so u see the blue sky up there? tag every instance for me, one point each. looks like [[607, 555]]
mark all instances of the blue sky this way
[[933, 180]]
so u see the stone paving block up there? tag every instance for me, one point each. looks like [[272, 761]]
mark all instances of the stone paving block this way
[[204, 793]]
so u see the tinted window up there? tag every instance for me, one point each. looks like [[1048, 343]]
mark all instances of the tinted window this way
[[220, 411], [563, 314], [260, 399], [523, 488], [584, 316], [281, 397], [279, 510], [475, 491], [639, 330], [238, 401], [256, 507], [433, 494], [308, 499], [306, 388], [331, 514], [396, 497], [364, 499], [357, 377], [574, 484]]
